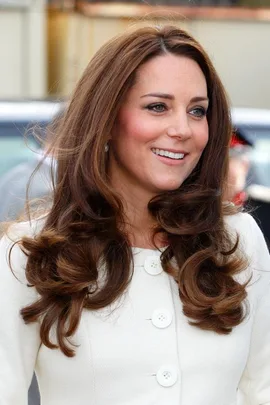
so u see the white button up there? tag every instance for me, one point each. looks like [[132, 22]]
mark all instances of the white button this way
[[152, 265], [161, 318], [167, 375]]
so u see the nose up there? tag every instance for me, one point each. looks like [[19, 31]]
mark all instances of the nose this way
[[180, 127]]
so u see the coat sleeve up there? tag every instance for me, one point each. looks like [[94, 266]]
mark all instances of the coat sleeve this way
[[19, 343], [255, 382]]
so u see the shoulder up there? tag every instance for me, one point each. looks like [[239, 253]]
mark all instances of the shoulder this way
[[252, 245], [18, 230], [242, 225], [250, 235], [240, 222], [12, 256]]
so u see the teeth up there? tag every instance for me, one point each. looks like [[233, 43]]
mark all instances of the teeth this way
[[166, 153]]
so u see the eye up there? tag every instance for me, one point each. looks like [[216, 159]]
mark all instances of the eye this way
[[198, 112], [157, 107]]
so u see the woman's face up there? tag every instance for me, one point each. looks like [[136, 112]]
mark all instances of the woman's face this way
[[161, 129]]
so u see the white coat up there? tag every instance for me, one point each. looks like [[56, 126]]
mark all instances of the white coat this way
[[141, 350]]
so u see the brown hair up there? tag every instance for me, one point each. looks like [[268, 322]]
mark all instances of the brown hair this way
[[84, 225]]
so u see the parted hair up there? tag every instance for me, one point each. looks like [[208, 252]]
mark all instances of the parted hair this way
[[85, 225]]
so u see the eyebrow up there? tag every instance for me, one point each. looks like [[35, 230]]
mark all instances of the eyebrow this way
[[159, 95], [171, 97]]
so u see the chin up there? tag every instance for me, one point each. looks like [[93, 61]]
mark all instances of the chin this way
[[169, 186]]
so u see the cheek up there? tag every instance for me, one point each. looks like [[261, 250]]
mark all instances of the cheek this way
[[202, 138], [129, 135], [135, 128], [139, 134]]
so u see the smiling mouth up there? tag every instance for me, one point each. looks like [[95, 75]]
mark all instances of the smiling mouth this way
[[168, 154]]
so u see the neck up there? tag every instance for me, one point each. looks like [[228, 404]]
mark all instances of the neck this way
[[139, 224]]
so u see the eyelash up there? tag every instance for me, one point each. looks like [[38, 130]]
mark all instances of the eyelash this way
[[202, 111], [152, 107]]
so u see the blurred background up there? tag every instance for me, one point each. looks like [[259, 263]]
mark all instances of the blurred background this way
[[45, 45]]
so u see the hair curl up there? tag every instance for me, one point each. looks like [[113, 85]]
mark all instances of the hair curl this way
[[84, 225]]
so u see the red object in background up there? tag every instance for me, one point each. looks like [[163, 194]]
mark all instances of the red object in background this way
[[238, 140], [240, 198]]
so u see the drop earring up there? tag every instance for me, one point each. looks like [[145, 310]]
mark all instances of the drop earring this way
[[106, 148]]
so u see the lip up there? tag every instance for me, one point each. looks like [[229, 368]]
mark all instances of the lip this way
[[171, 162], [171, 150]]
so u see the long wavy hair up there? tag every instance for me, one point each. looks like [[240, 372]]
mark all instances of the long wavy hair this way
[[84, 226]]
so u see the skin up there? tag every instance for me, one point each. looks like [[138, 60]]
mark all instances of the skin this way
[[165, 109]]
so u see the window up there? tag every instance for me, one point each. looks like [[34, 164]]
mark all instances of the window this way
[[15, 3]]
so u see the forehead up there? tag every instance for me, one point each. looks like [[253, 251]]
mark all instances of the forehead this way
[[172, 72]]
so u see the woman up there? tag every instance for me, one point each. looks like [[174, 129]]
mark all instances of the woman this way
[[135, 288]]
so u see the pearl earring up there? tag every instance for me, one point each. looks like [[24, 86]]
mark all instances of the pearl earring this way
[[106, 148]]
